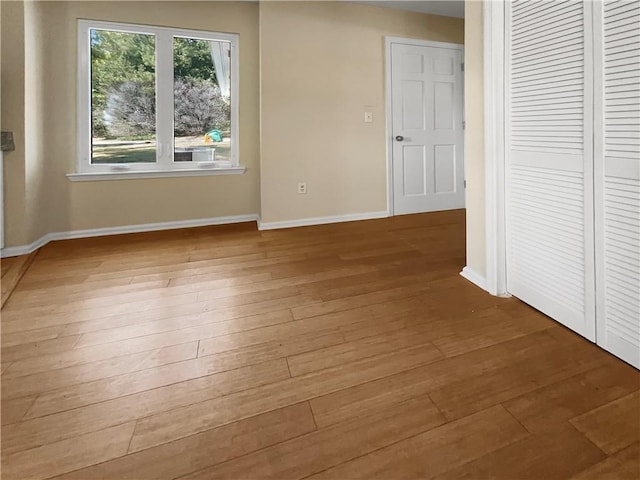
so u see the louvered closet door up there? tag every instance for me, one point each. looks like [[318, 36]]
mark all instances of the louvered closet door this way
[[618, 179], [549, 166]]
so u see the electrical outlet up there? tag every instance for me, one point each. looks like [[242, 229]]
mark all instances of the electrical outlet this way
[[302, 187], [368, 117]]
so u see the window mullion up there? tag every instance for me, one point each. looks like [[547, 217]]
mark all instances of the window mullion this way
[[164, 98]]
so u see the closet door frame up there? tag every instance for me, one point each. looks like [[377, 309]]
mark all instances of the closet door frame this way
[[494, 16], [496, 85]]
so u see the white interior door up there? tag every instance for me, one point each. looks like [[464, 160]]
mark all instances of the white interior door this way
[[427, 128], [549, 160], [617, 182]]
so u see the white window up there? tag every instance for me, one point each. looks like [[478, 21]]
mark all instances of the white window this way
[[156, 101]]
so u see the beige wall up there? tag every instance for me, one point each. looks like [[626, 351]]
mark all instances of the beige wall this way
[[35, 123], [474, 137], [13, 105], [36, 178], [322, 66]]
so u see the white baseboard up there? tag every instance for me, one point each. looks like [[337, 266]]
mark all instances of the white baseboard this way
[[100, 232], [201, 222], [25, 249], [474, 277], [305, 222]]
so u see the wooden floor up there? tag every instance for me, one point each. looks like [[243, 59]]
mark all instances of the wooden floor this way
[[343, 351], [13, 268]]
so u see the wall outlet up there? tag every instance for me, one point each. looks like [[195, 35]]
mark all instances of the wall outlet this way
[[302, 187], [368, 117]]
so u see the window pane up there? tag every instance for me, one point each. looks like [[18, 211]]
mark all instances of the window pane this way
[[202, 100], [123, 97]]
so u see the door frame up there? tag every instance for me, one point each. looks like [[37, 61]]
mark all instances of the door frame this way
[[496, 84], [494, 24], [388, 41]]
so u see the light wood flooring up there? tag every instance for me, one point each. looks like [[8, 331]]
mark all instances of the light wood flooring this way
[[341, 351], [13, 268]]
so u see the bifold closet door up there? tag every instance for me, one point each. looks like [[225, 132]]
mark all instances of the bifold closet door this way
[[617, 182], [549, 166]]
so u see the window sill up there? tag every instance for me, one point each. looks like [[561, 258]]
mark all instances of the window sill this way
[[100, 176]]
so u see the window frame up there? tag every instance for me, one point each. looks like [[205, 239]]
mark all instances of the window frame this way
[[164, 164]]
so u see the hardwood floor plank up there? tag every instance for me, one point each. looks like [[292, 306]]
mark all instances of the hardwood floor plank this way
[[104, 318], [31, 336], [160, 299], [534, 457], [561, 401], [12, 272], [212, 447], [219, 322], [624, 465], [378, 326], [435, 451], [367, 399], [629, 458], [42, 304], [317, 451], [4, 366], [364, 284], [465, 397], [325, 324], [94, 370], [489, 326], [127, 346], [182, 422], [613, 426], [44, 296], [357, 400], [39, 348], [13, 410], [62, 311], [43, 430], [350, 351], [355, 301], [67, 455], [117, 321], [119, 386]]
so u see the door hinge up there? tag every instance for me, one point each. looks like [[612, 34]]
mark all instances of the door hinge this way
[[465, 184], [462, 66], [464, 125]]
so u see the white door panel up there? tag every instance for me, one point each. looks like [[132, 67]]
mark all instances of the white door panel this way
[[549, 169], [618, 180], [427, 164]]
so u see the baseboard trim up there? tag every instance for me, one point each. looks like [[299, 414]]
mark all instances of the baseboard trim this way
[[145, 227], [201, 222], [305, 222], [25, 249], [474, 277]]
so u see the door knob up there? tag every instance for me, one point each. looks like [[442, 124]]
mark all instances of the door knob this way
[[399, 138]]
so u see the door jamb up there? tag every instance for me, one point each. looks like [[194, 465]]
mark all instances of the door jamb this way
[[388, 41], [494, 147]]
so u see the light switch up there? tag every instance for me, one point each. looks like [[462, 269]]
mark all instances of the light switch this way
[[368, 117]]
